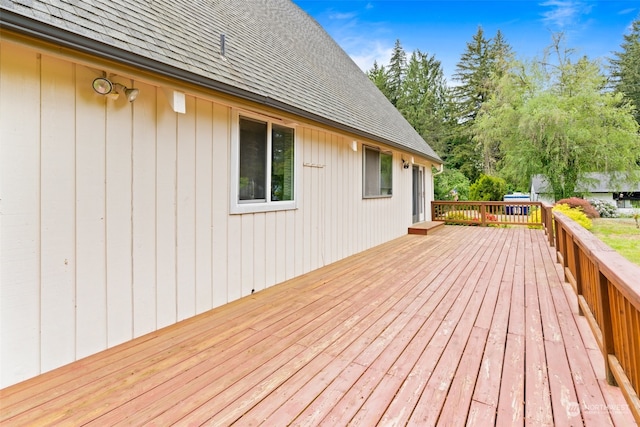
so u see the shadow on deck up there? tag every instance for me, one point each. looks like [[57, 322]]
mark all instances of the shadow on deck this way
[[468, 325]]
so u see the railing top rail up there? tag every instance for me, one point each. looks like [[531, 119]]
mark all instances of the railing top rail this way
[[616, 268], [624, 274]]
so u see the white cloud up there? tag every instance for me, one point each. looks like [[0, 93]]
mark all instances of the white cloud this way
[[369, 52], [627, 11], [565, 13], [364, 42], [342, 16]]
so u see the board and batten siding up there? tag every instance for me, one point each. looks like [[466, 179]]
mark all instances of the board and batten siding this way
[[114, 216]]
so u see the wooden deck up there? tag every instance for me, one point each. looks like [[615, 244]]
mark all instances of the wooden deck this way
[[469, 325]]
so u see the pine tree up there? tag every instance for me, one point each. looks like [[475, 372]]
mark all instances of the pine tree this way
[[423, 98], [380, 77], [626, 68], [500, 56], [396, 72], [473, 71], [480, 67], [419, 91]]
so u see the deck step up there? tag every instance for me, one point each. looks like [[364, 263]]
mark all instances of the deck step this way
[[426, 227]]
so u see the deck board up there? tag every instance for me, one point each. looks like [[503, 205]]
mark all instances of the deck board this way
[[468, 325]]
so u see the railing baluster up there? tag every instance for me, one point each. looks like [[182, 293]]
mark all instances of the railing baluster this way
[[605, 326]]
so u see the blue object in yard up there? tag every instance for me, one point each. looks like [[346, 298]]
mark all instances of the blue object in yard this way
[[517, 210]]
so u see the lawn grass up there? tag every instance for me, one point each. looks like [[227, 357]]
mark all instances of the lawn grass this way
[[621, 234]]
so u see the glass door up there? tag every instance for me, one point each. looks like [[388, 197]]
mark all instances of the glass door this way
[[418, 194]]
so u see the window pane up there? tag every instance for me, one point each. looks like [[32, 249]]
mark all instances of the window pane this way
[[386, 174], [377, 173], [281, 163], [371, 172], [253, 160]]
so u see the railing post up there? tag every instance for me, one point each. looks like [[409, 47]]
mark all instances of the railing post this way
[[606, 327], [546, 217], [483, 214]]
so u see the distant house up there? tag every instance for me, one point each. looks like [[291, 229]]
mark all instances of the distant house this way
[[161, 158], [593, 186]]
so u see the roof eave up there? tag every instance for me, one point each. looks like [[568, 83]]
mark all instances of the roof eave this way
[[29, 27]]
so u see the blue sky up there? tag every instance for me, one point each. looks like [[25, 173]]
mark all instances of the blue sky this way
[[367, 29]]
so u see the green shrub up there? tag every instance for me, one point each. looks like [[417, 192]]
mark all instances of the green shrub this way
[[462, 216], [488, 188], [575, 214], [459, 216], [449, 182], [584, 205], [605, 209]]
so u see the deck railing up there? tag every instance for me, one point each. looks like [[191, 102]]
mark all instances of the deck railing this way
[[488, 213], [534, 214], [608, 290]]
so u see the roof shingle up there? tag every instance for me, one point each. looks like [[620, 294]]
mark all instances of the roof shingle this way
[[273, 50]]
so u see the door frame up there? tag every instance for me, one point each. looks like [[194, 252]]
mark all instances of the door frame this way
[[418, 194]]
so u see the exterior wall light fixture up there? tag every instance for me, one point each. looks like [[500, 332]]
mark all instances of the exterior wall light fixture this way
[[130, 93], [103, 86]]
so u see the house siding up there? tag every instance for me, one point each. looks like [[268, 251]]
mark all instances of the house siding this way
[[114, 216]]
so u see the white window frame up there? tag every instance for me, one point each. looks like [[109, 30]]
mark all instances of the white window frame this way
[[380, 151], [236, 206]]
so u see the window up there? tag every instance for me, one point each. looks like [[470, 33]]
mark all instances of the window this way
[[263, 166], [377, 173]]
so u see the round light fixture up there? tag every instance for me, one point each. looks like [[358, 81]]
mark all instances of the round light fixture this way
[[102, 86], [131, 94]]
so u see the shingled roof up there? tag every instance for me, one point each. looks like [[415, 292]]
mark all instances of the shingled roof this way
[[274, 54], [592, 182]]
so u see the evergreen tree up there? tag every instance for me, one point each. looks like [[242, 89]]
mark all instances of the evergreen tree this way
[[379, 76], [481, 65], [626, 68], [500, 55], [423, 98], [419, 91], [396, 72], [473, 71], [488, 188]]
